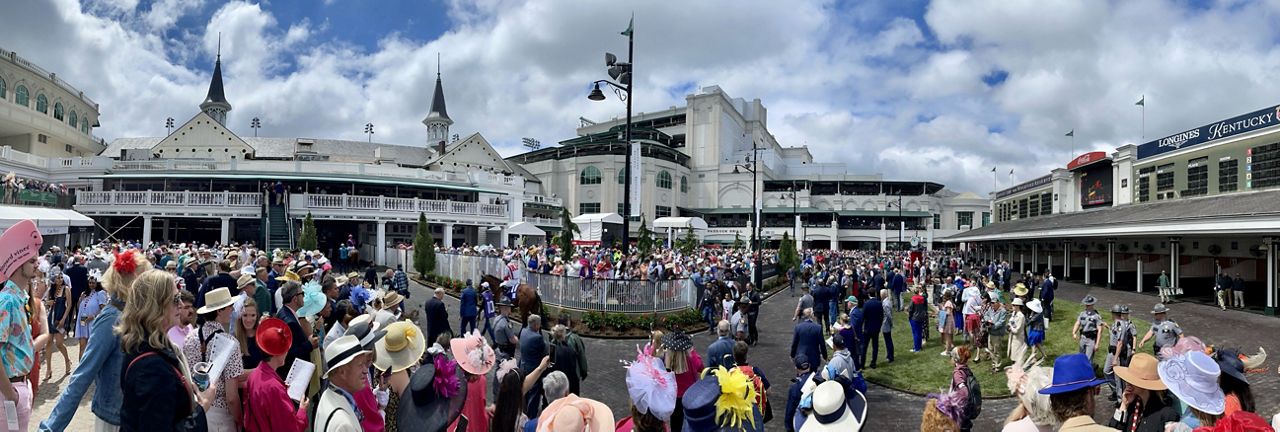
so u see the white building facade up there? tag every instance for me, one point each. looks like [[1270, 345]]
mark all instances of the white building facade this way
[[690, 158]]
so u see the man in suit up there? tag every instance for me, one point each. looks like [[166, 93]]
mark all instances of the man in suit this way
[[872, 323], [720, 353], [437, 316], [807, 340], [898, 285], [291, 297], [877, 284]]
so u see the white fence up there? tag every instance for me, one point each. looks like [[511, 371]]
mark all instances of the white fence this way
[[380, 203], [163, 198], [571, 292]]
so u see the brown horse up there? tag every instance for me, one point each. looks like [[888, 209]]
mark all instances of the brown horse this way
[[527, 299]]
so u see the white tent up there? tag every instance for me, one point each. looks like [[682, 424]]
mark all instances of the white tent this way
[[524, 229], [49, 220], [591, 225], [672, 224]]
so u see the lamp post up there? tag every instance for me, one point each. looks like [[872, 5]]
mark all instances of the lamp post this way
[[752, 164], [622, 72], [901, 224], [168, 126], [794, 195], [255, 124], [368, 130]]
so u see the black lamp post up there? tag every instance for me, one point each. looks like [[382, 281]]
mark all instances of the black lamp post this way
[[900, 223], [621, 72], [752, 164]]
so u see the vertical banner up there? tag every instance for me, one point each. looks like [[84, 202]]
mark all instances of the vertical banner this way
[[637, 174]]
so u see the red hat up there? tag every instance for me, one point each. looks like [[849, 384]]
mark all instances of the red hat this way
[[274, 337]]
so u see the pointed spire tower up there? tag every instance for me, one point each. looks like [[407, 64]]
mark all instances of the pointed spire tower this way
[[437, 120], [215, 103]]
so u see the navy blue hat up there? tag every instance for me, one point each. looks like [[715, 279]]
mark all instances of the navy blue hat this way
[[1070, 373], [700, 404]]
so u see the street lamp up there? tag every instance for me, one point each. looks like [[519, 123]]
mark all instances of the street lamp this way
[[368, 130], [168, 126], [794, 195], [621, 72], [255, 124], [752, 164], [901, 224]]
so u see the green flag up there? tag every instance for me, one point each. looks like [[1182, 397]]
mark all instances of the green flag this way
[[630, 25]]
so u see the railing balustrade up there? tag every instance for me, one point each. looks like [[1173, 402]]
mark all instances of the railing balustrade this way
[[169, 198]]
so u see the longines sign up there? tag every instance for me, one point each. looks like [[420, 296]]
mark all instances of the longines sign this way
[[1233, 126]]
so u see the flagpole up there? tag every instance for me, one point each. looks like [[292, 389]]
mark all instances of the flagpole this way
[[1144, 118]]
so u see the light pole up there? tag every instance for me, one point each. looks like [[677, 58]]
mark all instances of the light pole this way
[[255, 124], [794, 195], [168, 126], [752, 164], [901, 225], [368, 130], [622, 72]]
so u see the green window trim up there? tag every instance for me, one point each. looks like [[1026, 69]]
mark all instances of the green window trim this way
[[4, 89]]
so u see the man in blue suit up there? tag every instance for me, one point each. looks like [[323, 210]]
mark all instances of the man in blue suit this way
[[807, 340], [1046, 294], [872, 322], [720, 353], [877, 284], [898, 285], [302, 344]]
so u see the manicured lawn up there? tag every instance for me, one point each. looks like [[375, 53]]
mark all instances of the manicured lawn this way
[[929, 372]]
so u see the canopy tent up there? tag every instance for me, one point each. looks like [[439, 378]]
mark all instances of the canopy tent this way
[[596, 228], [680, 223], [524, 229], [49, 220]]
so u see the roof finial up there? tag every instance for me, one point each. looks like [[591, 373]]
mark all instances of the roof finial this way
[[437, 65], [219, 46]]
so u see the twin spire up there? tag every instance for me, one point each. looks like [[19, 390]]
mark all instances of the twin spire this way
[[215, 103]]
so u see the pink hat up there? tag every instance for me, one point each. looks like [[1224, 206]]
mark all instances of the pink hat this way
[[472, 353], [18, 244]]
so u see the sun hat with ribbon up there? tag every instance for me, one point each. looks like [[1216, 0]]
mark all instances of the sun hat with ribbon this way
[[289, 276], [1193, 378], [401, 348], [651, 386], [1142, 372], [366, 329], [1020, 289], [340, 352], [1070, 373], [390, 299], [18, 244], [434, 397], [833, 410], [472, 353], [576, 414], [216, 299], [273, 337]]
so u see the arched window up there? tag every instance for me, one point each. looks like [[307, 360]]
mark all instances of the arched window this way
[[622, 176], [42, 104], [589, 176], [4, 89], [684, 184], [20, 96], [664, 180], [57, 110], [71, 119], [84, 125]]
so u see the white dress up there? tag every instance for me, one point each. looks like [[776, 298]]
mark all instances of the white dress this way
[[1017, 337]]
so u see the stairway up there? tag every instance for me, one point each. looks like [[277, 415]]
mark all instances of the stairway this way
[[278, 228]]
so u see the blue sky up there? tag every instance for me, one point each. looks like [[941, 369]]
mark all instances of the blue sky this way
[[938, 90]]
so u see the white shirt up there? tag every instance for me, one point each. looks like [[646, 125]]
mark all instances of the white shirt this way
[[970, 297]]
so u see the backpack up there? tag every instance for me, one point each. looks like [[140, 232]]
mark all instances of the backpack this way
[[973, 407], [762, 396]]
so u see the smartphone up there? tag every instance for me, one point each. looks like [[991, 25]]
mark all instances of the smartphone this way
[[462, 424]]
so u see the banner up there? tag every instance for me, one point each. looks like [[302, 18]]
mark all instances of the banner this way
[[637, 178], [1233, 126]]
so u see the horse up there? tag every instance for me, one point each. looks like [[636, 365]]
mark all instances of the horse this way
[[527, 299]]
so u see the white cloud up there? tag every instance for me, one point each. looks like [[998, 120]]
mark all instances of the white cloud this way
[[906, 94]]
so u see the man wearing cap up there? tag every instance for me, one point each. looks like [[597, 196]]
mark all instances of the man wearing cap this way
[[347, 374], [266, 397], [20, 244], [1073, 392], [1164, 329], [1088, 323], [796, 392], [1120, 347], [504, 333], [490, 311]]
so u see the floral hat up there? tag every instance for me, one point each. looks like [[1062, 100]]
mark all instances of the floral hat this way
[[472, 353], [651, 386], [1193, 378]]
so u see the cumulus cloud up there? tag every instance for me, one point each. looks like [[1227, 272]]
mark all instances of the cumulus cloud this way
[[942, 93]]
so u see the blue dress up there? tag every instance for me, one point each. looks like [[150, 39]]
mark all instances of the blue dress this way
[[58, 310], [90, 306]]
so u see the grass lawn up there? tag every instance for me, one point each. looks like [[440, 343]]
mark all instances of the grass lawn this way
[[927, 371]]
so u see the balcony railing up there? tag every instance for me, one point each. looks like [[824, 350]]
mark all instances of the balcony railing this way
[[9, 154], [542, 199], [310, 168], [165, 198], [542, 221], [409, 205]]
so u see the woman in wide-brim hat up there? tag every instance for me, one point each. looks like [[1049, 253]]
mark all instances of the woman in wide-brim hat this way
[[432, 399], [1239, 397], [212, 322], [1143, 403], [476, 358], [1193, 378], [1035, 332]]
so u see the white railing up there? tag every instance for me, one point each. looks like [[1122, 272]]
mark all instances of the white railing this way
[[542, 199], [169, 198], [542, 221], [301, 167], [570, 291], [411, 205], [8, 153]]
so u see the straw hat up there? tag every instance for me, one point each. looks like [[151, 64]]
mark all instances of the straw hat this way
[[401, 348], [289, 276], [1193, 378], [366, 329], [216, 299], [340, 352], [576, 414], [390, 299], [1142, 372], [832, 411], [1020, 289], [245, 279]]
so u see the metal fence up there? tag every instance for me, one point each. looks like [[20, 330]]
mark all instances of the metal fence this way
[[572, 292]]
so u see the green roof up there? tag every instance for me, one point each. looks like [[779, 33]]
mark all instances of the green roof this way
[[277, 176]]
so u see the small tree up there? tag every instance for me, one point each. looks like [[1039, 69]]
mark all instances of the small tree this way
[[687, 243], [737, 241], [424, 251], [307, 241], [644, 241], [565, 239], [787, 256]]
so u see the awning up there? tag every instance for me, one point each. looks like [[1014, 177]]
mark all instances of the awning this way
[[49, 220], [790, 210], [525, 229], [598, 217], [680, 223], [884, 213], [272, 177]]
